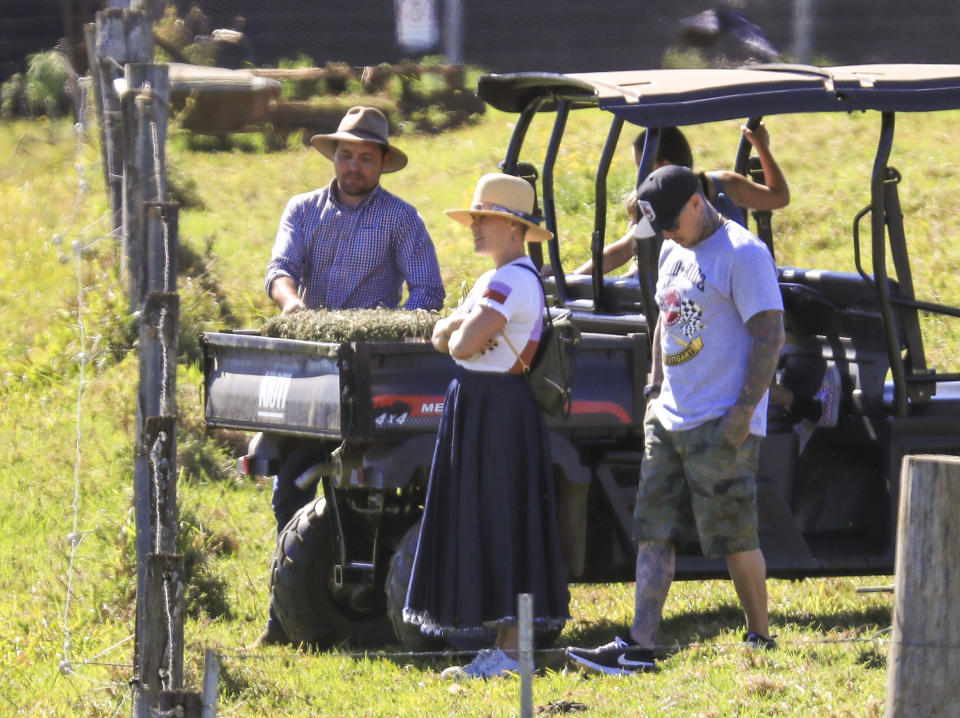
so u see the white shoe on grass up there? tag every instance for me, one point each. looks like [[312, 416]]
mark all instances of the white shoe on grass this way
[[489, 663]]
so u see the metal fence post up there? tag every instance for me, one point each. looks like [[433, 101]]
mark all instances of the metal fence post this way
[[211, 680], [525, 628]]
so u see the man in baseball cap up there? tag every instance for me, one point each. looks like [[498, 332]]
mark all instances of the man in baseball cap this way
[[348, 245], [715, 349], [662, 197]]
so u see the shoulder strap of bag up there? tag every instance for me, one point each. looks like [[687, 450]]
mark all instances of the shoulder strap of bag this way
[[523, 364], [543, 290]]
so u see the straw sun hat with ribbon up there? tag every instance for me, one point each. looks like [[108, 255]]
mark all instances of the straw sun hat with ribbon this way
[[506, 196], [362, 124]]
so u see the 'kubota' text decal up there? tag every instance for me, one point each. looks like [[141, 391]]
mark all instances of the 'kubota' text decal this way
[[274, 387]]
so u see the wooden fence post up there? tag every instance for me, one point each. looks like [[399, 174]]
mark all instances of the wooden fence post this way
[[145, 102], [159, 346], [117, 37], [160, 448], [156, 397], [923, 667], [93, 62], [160, 628], [132, 105], [158, 662]]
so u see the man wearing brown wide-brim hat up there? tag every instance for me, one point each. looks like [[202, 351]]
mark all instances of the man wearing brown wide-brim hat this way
[[352, 244], [364, 124], [349, 245]]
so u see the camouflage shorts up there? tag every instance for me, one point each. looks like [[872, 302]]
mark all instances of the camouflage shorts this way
[[694, 483]]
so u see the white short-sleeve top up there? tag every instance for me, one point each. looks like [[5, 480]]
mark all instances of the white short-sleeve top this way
[[515, 292]]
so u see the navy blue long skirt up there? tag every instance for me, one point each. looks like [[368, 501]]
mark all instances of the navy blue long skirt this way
[[489, 528]]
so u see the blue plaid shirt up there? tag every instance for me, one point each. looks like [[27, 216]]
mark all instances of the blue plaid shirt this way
[[357, 257]]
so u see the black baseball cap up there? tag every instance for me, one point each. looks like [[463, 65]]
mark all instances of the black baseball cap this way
[[661, 196]]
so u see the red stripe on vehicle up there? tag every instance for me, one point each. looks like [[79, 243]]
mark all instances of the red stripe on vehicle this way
[[419, 404], [600, 407]]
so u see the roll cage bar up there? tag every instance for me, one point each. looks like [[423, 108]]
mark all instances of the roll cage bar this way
[[661, 98]]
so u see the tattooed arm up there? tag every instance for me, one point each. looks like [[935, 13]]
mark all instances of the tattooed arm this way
[[656, 358], [766, 341]]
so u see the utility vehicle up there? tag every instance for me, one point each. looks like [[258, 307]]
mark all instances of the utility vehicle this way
[[341, 565]]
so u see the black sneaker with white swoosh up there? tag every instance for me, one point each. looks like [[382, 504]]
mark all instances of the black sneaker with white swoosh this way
[[757, 640], [618, 657]]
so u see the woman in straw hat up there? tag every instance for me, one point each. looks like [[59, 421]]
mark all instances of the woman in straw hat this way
[[489, 528]]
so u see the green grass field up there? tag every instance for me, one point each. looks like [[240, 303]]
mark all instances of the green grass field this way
[[67, 379]]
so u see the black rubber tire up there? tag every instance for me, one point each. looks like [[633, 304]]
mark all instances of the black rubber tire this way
[[301, 577], [398, 578]]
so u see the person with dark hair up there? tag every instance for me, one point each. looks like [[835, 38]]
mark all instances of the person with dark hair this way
[[489, 528], [349, 245], [673, 148], [727, 191], [352, 244], [715, 349]]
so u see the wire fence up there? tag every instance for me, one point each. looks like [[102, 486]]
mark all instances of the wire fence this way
[[876, 637], [73, 244]]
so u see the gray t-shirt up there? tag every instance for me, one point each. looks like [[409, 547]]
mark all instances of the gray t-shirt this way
[[706, 294]]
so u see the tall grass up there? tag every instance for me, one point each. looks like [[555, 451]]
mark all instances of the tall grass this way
[[66, 434]]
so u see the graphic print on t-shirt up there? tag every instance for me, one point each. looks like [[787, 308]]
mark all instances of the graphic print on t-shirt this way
[[682, 317]]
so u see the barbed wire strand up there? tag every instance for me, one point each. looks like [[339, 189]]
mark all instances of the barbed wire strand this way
[[74, 538], [92, 659], [123, 701], [94, 681], [83, 236], [77, 247], [877, 636], [80, 128], [161, 197], [66, 665], [156, 468]]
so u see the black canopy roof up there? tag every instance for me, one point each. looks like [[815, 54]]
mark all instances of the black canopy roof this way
[[656, 98]]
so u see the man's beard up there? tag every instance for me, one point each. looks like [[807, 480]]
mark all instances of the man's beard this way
[[357, 187]]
